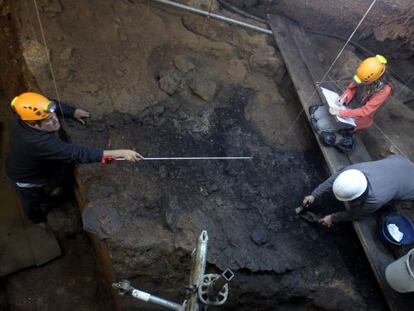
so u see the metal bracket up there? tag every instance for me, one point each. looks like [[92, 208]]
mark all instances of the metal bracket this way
[[214, 289]]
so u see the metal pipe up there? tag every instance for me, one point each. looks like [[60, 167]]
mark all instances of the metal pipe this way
[[138, 294], [216, 16], [217, 285], [198, 268], [124, 288]]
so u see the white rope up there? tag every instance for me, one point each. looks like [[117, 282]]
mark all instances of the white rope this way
[[48, 59]]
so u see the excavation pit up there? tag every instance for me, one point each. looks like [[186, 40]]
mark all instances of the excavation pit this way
[[173, 84]]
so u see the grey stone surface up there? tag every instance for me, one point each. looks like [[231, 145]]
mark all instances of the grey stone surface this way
[[205, 89]]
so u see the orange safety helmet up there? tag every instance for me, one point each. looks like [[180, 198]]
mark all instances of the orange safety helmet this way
[[371, 69], [32, 106]]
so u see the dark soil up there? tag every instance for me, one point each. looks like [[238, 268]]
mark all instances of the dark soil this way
[[157, 210]]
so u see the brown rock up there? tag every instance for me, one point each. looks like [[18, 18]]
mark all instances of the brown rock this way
[[51, 6], [236, 69], [35, 54], [183, 63], [205, 89], [66, 54], [63, 73], [169, 81]]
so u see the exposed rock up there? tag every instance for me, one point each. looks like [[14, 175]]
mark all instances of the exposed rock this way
[[5, 9], [51, 6], [269, 64], [236, 69], [35, 55], [63, 73], [183, 63], [388, 21], [205, 89], [259, 236], [64, 219], [91, 87], [169, 81], [264, 111], [101, 220], [66, 54]]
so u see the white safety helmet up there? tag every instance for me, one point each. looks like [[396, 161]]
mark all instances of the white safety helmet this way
[[349, 185]]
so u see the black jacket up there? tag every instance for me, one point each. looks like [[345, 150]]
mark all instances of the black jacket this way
[[35, 156]]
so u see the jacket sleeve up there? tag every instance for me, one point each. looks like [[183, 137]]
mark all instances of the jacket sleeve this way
[[64, 110], [355, 213], [371, 106], [50, 147], [325, 186]]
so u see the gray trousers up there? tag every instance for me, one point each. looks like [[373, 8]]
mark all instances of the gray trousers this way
[[327, 122]]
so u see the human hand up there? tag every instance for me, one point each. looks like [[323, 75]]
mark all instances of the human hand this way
[[129, 155], [334, 111], [326, 221], [340, 101], [308, 200], [80, 114]]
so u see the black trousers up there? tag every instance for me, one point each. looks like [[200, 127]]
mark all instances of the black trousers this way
[[34, 202]]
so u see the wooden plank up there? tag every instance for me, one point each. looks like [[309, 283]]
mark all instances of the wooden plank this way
[[306, 91], [305, 69]]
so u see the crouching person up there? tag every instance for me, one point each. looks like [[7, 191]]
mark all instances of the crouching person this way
[[367, 187], [360, 101]]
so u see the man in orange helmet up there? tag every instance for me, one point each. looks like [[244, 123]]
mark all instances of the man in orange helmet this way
[[368, 92], [37, 155]]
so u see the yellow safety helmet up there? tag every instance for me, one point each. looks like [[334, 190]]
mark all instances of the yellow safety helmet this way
[[371, 69], [32, 106]]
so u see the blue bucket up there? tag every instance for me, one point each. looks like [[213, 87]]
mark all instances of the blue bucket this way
[[404, 224]]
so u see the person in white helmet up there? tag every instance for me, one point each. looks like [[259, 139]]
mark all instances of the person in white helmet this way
[[367, 187]]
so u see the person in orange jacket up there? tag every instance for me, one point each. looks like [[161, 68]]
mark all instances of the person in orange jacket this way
[[361, 100]]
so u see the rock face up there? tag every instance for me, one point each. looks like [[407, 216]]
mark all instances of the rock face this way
[[35, 55], [389, 23]]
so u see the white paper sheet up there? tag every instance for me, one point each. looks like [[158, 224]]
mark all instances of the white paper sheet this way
[[331, 98]]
